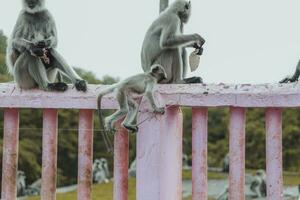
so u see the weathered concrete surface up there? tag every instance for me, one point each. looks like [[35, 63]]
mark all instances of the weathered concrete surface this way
[[237, 129], [49, 160], [274, 154], [244, 95], [121, 162], [199, 153], [85, 154], [10, 154]]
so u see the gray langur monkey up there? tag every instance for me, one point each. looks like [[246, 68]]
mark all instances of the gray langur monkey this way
[[31, 53], [141, 84], [293, 78], [165, 43], [258, 184]]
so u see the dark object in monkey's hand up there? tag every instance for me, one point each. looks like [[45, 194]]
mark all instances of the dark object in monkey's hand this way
[[199, 48], [81, 85], [41, 44], [37, 51], [194, 80], [200, 51], [59, 87]]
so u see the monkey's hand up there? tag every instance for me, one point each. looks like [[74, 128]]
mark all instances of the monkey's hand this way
[[159, 111], [199, 48], [81, 85], [289, 80], [200, 40], [41, 44], [37, 51]]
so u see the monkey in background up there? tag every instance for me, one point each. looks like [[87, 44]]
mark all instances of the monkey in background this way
[[141, 84], [293, 78], [31, 53], [165, 43]]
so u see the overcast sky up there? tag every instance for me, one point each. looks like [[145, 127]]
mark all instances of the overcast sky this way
[[253, 41]]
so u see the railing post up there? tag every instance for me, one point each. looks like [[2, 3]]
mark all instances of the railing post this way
[[10, 154], [49, 160], [159, 156], [274, 153], [121, 162], [237, 153], [148, 157], [85, 154], [199, 154]]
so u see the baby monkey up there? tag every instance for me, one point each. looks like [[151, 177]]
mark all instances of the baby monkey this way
[[141, 84]]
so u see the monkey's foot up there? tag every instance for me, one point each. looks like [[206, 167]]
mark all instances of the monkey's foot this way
[[80, 85], [131, 128], [288, 80], [193, 80], [111, 131], [59, 87], [159, 111]]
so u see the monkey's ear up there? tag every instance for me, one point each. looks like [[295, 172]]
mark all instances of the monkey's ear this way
[[188, 5]]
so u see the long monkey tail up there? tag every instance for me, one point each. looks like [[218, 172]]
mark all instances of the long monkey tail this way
[[104, 134]]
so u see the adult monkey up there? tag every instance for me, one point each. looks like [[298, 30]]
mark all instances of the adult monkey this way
[[165, 42], [31, 54]]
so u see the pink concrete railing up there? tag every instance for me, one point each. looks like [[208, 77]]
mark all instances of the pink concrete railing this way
[[159, 141]]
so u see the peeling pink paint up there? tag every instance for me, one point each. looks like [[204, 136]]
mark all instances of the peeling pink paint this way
[[274, 154], [159, 156], [10, 154], [199, 154], [148, 157], [49, 160], [195, 95], [170, 167], [237, 154], [159, 141], [121, 162], [85, 155]]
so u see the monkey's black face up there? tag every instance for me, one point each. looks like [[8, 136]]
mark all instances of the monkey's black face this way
[[32, 3], [159, 72], [185, 12], [33, 6], [161, 77]]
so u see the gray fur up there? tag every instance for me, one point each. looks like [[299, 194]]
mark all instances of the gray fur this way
[[35, 24], [163, 5], [165, 42], [293, 78], [141, 84]]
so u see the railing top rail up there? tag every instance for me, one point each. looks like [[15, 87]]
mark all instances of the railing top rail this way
[[197, 95]]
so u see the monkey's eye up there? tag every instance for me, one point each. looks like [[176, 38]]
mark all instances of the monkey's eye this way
[[187, 6]]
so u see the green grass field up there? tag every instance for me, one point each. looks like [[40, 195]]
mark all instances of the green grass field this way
[[105, 191]]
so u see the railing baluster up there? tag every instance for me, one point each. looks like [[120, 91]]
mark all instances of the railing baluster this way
[[199, 154], [49, 160], [10, 154], [85, 154], [148, 157], [121, 162], [159, 156], [171, 152], [274, 153], [237, 154]]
